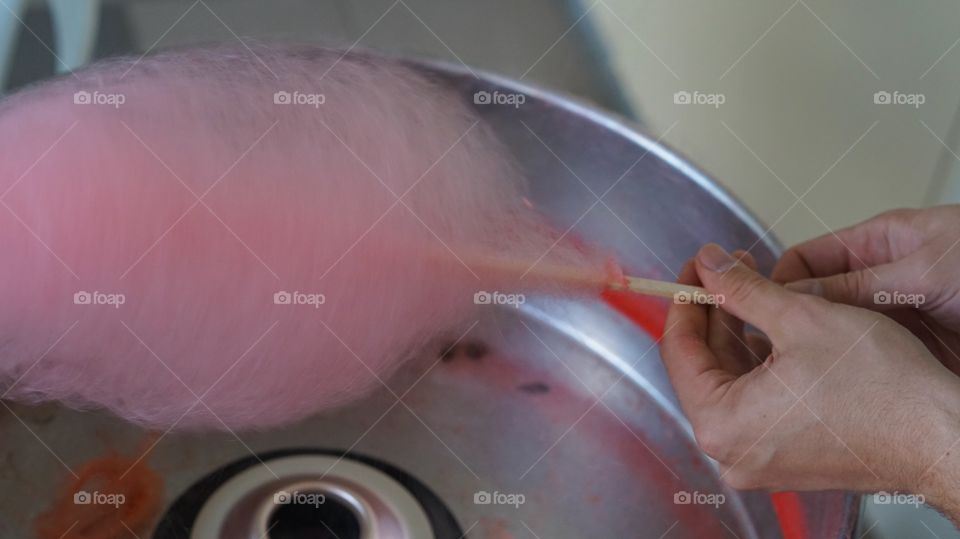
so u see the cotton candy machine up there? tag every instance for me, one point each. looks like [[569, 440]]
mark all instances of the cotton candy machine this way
[[547, 419]]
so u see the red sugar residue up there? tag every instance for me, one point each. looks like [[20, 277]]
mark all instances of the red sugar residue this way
[[650, 315], [111, 497], [790, 513], [615, 275]]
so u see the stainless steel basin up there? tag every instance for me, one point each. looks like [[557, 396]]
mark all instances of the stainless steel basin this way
[[555, 419]]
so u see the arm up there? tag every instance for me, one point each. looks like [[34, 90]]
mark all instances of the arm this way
[[940, 481]]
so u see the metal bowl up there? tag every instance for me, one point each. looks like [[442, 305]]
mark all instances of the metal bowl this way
[[554, 419]]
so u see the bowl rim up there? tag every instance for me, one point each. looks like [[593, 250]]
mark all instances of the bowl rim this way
[[850, 507]]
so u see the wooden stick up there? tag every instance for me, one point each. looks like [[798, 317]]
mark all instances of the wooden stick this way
[[680, 293]]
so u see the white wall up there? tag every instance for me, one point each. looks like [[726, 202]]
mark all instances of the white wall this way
[[798, 94]]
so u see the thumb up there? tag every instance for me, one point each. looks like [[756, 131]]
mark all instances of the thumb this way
[[745, 293], [874, 288]]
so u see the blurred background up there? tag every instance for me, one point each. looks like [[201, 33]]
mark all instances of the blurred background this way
[[815, 114]]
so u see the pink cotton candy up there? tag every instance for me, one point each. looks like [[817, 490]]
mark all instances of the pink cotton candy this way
[[189, 326]]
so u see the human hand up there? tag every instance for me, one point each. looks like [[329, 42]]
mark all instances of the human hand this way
[[842, 397], [903, 263]]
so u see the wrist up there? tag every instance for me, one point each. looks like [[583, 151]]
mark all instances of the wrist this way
[[937, 475]]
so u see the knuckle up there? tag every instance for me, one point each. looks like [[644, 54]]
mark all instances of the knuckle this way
[[740, 479], [802, 310], [949, 215], [714, 441], [793, 255], [883, 327], [743, 288], [853, 282], [916, 220], [790, 267], [930, 261], [682, 346], [898, 215], [870, 327]]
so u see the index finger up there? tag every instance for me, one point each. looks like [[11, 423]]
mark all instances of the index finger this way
[[694, 370], [862, 245]]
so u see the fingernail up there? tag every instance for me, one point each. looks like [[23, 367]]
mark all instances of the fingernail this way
[[714, 258], [812, 287]]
